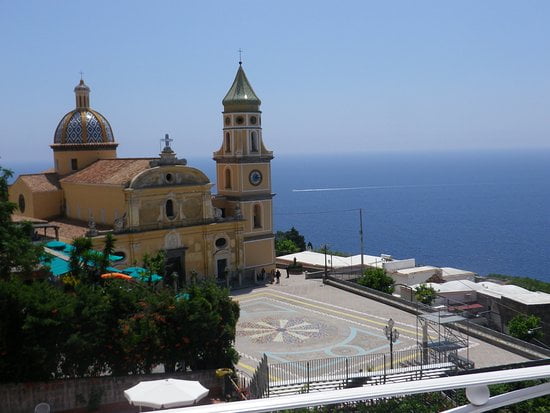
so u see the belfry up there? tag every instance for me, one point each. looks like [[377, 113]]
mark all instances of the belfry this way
[[243, 171]]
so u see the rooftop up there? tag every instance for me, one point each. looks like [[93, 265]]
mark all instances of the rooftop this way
[[317, 259], [118, 171], [512, 292], [416, 270], [41, 182]]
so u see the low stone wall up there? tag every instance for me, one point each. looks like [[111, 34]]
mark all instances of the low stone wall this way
[[70, 394]]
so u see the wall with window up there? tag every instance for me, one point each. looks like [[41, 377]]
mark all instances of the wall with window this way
[[107, 201]]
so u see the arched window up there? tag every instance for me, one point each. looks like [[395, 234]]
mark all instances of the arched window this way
[[228, 178], [227, 142], [257, 216], [21, 202], [170, 209], [253, 142]]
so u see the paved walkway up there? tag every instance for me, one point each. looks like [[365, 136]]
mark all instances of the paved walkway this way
[[302, 319]]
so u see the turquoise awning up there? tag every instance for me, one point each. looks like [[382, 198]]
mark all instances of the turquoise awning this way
[[57, 266]]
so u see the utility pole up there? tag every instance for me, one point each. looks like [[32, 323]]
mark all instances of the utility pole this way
[[361, 235], [325, 262]]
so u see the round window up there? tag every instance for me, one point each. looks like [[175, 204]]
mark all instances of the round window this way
[[227, 120], [221, 242], [239, 120], [169, 177], [21, 202], [253, 120]]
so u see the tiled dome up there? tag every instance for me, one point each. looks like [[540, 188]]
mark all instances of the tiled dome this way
[[83, 126]]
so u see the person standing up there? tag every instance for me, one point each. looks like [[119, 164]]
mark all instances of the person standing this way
[[278, 276]]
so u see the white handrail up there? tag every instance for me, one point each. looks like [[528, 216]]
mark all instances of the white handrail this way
[[374, 392]]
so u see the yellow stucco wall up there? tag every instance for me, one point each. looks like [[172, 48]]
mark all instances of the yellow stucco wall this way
[[259, 253], [148, 206], [42, 205], [47, 204], [200, 254], [19, 188], [266, 216], [62, 159], [104, 202], [240, 182]]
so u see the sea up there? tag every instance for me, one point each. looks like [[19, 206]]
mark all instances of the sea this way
[[482, 211]]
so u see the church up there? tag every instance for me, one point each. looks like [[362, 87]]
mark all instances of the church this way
[[161, 204]]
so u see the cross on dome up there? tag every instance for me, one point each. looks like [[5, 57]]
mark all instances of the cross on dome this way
[[167, 141]]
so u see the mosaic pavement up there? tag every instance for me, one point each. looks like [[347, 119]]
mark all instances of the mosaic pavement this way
[[303, 320], [289, 328]]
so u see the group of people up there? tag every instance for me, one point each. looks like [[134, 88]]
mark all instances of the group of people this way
[[274, 276]]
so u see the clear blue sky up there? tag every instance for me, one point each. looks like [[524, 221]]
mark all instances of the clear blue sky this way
[[334, 76]]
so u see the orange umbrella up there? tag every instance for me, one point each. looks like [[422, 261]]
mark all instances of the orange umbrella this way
[[116, 275]]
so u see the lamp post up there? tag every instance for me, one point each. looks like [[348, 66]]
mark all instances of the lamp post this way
[[392, 335], [326, 269]]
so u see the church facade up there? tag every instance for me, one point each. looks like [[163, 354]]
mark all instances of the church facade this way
[[153, 204]]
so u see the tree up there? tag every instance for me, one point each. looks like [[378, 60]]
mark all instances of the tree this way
[[108, 250], [377, 279], [17, 252], [34, 327], [525, 327], [289, 242], [154, 264], [285, 246], [79, 260], [425, 294], [296, 238]]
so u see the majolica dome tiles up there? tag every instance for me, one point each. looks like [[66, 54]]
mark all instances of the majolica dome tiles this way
[[83, 126]]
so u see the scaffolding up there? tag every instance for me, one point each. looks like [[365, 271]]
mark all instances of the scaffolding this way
[[440, 341]]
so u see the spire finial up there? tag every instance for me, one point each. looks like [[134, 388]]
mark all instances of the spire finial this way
[[240, 56], [81, 73], [167, 141]]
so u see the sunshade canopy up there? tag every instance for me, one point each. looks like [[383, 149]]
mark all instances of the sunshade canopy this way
[[165, 393]]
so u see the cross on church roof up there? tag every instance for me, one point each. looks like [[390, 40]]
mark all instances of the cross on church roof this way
[[166, 140], [81, 73], [240, 56]]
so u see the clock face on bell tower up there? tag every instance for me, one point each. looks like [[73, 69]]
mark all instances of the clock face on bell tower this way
[[255, 177]]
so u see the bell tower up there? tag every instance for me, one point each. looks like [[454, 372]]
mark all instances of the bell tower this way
[[243, 173]]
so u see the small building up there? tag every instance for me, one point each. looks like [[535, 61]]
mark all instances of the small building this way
[[452, 274], [415, 275], [316, 261]]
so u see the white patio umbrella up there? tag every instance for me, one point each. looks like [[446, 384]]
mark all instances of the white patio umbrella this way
[[165, 393]]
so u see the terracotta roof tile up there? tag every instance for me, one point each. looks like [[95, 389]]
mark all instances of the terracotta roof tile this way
[[70, 229], [43, 182], [21, 218], [109, 172]]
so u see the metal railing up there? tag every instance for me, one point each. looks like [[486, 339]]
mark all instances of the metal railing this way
[[344, 372]]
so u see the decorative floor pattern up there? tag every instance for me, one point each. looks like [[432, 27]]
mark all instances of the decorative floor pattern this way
[[287, 331]]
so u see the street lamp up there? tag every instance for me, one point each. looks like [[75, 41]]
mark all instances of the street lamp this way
[[326, 269], [392, 335]]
